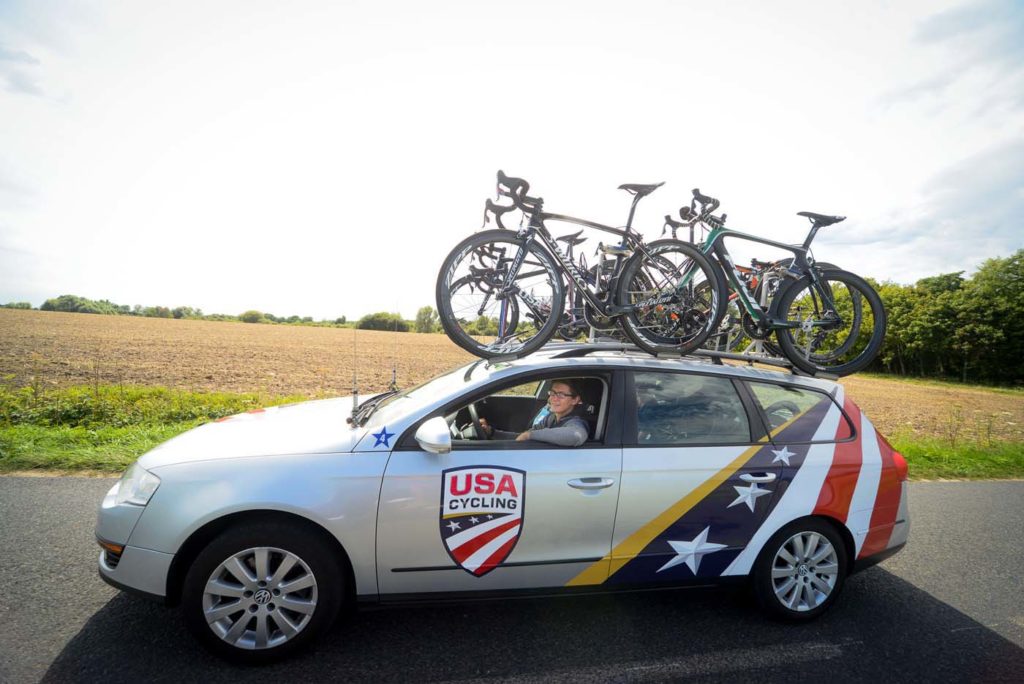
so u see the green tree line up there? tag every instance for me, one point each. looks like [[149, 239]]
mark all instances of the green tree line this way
[[949, 326]]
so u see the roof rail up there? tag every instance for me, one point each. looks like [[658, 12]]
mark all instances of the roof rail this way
[[572, 350]]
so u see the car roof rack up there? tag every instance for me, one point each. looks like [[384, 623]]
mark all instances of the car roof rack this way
[[572, 350]]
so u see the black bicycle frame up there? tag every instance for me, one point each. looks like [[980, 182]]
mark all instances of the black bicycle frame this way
[[715, 244], [536, 228]]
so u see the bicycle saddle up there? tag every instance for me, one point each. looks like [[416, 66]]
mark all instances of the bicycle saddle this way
[[571, 240], [640, 190], [821, 219]]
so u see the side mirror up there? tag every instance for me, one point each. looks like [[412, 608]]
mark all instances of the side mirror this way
[[434, 436]]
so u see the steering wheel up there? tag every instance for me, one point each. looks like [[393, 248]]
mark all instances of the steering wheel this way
[[781, 411], [477, 425]]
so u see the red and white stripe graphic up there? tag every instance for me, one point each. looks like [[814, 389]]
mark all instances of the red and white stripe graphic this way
[[858, 483], [802, 494], [841, 481], [888, 501], [484, 546]]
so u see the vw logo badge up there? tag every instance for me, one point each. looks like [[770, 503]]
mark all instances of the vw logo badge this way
[[262, 596]]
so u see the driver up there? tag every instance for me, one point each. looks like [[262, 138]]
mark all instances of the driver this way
[[559, 425]]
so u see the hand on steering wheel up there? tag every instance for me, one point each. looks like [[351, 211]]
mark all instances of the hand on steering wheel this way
[[483, 430]]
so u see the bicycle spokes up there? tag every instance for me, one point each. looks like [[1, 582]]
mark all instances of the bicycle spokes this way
[[487, 305]]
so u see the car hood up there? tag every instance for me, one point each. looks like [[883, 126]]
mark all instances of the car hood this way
[[312, 427]]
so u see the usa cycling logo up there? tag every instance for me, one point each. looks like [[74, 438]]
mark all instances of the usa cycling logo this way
[[482, 511]]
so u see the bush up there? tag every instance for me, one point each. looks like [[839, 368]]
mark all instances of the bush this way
[[76, 304], [16, 305], [252, 316], [382, 320]]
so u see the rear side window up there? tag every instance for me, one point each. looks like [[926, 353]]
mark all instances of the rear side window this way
[[675, 408], [782, 404]]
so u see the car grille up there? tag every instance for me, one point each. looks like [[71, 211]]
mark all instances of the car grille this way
[[111, 558]]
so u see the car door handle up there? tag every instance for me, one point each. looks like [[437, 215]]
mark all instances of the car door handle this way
[[591, 483], [759, 477]]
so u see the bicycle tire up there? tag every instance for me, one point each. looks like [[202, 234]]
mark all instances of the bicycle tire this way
[[813, 347], [820, 359], [674, 327], [483, 259]]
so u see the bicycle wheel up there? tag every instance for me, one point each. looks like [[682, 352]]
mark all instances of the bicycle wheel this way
[[488, 313], [676, 297], [836, 326]]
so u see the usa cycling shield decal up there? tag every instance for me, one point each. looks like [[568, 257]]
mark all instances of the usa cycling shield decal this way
[[482, 510]]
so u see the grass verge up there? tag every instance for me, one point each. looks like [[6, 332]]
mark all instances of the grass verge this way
[[934, 459], [104, 428]]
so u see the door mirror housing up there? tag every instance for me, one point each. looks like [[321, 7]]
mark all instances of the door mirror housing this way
[[434, 436]]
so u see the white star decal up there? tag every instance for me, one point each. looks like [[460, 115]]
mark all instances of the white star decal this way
[[453, 525], [748, 495], [782, 455], [692, 551], [474, 520], [490, 517]]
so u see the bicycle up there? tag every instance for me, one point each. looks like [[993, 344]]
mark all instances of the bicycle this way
[[824, 319], [501, 292]]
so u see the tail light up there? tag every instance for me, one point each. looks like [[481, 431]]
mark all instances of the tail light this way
[[901, 465]]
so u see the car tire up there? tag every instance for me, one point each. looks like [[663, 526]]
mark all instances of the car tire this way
[[258, 593], [801, 570]]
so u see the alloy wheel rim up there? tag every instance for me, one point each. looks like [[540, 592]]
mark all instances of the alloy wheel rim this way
[[804, 571], [260, 598]]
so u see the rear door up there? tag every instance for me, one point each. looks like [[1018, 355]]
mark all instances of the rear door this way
[[698, 478]]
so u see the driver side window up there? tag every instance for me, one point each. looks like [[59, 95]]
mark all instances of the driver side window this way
[[507, 412], [511, 410]]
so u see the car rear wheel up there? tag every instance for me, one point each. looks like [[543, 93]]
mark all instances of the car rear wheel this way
[[801, 570], [259, 593]]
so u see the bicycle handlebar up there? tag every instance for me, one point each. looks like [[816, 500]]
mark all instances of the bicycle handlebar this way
[[497, 210], [708, 203], [516, 189]]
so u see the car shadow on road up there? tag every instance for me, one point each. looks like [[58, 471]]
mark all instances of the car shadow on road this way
[[882, 627]]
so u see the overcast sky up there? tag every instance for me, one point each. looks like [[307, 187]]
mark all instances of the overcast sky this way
[[321, 158]]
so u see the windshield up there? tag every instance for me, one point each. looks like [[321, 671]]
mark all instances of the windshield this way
[[400, 404]]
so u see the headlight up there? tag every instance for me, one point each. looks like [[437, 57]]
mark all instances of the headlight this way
[[136, 486]]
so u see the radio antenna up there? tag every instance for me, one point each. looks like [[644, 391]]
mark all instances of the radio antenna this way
[[394, 354], [355, 384]]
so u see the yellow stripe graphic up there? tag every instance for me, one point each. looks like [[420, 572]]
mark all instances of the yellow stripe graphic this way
[[633, 544]]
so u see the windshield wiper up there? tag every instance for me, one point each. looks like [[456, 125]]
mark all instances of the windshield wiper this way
[[367, 408]]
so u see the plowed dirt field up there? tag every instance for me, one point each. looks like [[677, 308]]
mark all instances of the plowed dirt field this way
[[58, 349]]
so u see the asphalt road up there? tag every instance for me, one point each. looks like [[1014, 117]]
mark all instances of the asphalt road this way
[[949, 608]]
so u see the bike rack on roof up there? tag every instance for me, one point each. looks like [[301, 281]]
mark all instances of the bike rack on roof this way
[[571, 350]]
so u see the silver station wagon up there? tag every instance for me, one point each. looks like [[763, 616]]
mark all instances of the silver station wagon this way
[[581, 468]]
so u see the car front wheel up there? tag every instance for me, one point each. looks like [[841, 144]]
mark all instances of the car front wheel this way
[[258, 593], [800, 570]]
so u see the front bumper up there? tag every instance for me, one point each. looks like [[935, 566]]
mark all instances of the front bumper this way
[[135, 569], [139, 571]]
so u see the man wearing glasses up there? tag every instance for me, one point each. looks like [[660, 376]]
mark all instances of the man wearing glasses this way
[[559, 425]]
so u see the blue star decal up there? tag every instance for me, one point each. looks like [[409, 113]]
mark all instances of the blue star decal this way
[[382, 437]]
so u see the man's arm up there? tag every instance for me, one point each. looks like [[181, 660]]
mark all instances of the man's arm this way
[[573, 433], [495, 433]]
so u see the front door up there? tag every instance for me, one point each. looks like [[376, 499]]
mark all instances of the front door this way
[[494, 515]]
